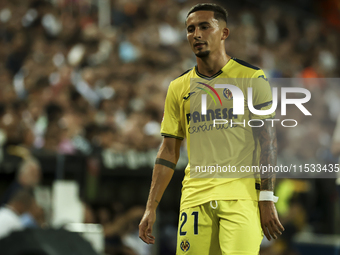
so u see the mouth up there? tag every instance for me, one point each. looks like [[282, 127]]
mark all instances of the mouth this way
[[199, 45]]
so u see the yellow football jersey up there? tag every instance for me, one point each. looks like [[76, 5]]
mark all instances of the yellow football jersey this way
[[229, 145]]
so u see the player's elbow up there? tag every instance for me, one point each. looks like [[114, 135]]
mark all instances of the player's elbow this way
[[169, 149]]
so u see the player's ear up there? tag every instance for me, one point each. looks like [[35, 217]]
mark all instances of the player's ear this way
[[225, 33]]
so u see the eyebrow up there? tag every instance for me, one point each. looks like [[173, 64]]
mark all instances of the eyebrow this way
[[200, 24]]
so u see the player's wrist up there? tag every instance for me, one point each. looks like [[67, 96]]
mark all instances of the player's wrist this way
[[266, 195], [151, 206]]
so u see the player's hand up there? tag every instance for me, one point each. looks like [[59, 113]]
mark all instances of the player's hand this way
[[270, 222], [145, 226]]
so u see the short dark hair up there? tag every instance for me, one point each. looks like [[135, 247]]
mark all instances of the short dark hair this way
[[219, 12]]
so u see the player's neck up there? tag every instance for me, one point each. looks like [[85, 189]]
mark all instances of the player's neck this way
[[212, 64]]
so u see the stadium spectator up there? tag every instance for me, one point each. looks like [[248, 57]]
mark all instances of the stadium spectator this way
[[28, 176], [19, 203]]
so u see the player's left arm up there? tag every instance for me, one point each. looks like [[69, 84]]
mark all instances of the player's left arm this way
[[270, 222]]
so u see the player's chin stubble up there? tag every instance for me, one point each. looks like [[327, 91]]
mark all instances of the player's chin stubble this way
[[203, 54]]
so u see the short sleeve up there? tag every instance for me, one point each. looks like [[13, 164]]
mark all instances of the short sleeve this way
[[171, 123], [262, 95]]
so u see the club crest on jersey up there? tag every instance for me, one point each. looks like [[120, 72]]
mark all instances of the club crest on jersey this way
[[185, 245], [227, 94]]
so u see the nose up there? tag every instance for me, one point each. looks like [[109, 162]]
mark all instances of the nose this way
[[197, 33]]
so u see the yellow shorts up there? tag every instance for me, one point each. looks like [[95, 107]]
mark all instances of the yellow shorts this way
[[230, 227]]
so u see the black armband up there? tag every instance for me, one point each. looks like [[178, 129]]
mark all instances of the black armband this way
[[166, 163]]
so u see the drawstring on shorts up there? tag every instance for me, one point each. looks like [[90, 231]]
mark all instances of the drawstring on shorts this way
[[211, 204]]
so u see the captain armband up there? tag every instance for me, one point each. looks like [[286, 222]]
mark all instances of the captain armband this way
[[166, 163]]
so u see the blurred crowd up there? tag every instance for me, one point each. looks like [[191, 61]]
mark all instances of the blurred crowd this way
[[20, 209], [82, 76], [70, 84]]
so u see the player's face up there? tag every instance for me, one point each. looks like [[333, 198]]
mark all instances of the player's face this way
[[204, 33]]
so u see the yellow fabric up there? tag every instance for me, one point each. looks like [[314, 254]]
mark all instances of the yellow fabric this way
[[232, 228], [231, 146]]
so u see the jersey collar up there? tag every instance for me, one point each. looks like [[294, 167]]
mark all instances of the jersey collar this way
[[207, 77], [215, 75]]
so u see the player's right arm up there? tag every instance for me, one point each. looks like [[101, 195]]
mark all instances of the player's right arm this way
[[167, 157], [166, 161]]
